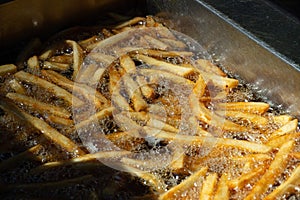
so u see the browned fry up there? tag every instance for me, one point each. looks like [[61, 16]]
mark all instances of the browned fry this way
[[288, 128], [296, 155], [115, 75], [20, 158], [56, 66], [33, 65], [131, 22], [250, 107], [245, 178], [127, 63], [208, 187], [147, 91], [38, 105], [278, 141], [134, 93], [185, 185], [48, 131], [107, 112], [84, 43], [155, 43], [57, 91], [222, 188], [88, 92], [7, 69], [254, 119], [207, 140], [164, 54], [174, 43], [119, 101], [164, 66], [77, 57], [208, 66], [17, 87], [287, 186], [276, 167]]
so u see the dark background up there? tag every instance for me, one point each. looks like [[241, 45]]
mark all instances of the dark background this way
[[291, 6]]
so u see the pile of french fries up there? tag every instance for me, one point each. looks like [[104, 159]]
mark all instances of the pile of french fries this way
[[162, 109]]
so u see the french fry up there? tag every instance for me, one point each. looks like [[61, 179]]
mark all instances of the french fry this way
[[155, 43], [19, 158], [130, 22], [147, 91], [281, 119], [276, 167], [134, 93], [245, 178], [164, 66], [222, 188], [208, 66], [278, 141], [118, 101], [202, 140], [287, 186], [125, 123], [88, 92], [17, 87], [164, 54], [38, 105], [101, 58], [250, 107], [288, 128], [33, 65], [59, 120], [57, 91], [77, 57], [7, 69], [127, 63], [60, 67], [219, 81], [107, 112], [45, 55], [254, 119], [66, 59], [185, 185], [155, 123], [49, 132], [173, 43], [208, 186]]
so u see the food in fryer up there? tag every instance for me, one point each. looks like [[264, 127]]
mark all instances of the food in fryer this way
[[149, 101]]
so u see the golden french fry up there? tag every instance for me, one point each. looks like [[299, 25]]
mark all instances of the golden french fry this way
[[155, 123], [107, 112], [125, 123], [7, 69], [164, 66], [47, 54], [38, 105], [208, 186], [163, 54], [222, 188], [208, 66], [91, 40], [281, 119], [219, 81], [254, 119], [287, 186], [249, 107], [202, 140], [48, 131], [17, 87], [245, 178], [77, 57], [276, 167], [57, 91], [59, 120], [61, 67], [127, 63], [185, 185], [278, 141], [288, 128]]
